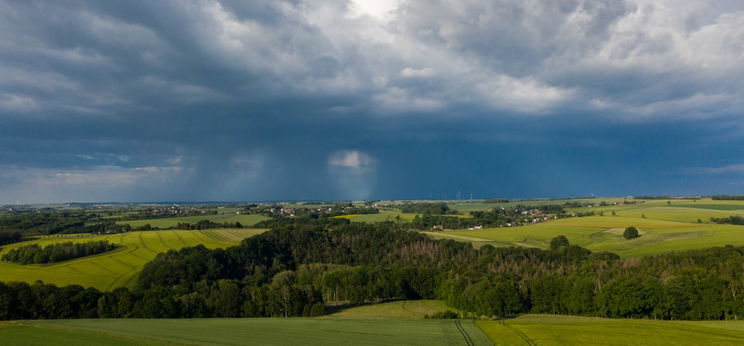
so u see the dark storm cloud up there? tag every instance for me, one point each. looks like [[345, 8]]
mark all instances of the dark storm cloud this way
[[197, 100]]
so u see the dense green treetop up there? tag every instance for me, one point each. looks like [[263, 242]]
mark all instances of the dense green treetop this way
[[631, 233]]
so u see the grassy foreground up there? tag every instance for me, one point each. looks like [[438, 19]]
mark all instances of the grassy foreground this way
[[571, 330], [251, 331], [119, 267], [525, 330]]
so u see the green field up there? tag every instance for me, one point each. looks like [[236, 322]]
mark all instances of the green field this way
[[571, 330], [388, 215], [664, 227], [404, 309], [119, 267], [718, 206], [524, 330], [384, 215], [243, 331], [604, 233], [245, 220]]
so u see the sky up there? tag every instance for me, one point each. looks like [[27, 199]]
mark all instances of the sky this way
[[211, 100]]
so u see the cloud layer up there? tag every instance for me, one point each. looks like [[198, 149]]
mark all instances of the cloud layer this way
[[263, 99]]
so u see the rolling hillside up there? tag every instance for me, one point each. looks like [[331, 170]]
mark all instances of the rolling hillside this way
[[119, 267], [664, 227]]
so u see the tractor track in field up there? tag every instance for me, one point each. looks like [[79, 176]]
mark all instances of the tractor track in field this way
[[203, 236], [519, 333], [144, 243], [180, 239], [465, 335], [160, 239], [135, 255]]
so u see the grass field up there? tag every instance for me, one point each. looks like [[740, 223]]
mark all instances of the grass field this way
[[665, 227], [524, 330], [245, 220], [404, 309], [389, 215], [119, 267], [257, 331], [384, 215], [570, 330]]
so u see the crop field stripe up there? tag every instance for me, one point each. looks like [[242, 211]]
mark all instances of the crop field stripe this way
[[180, 239], [519, 333], [207, 235], [464, 334], [276, 331], [231, 233], [128, 265], [215, 236], [228, 235], [201, 237], [196, 238], [72, 269], [102, 268], [144, 243], [135, 253], [212, 236], [160, 238], [122, 280], [235, 235], [129, 282], [562, 329], [93, 262]]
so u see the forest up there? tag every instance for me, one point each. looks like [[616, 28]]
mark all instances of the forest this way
[[35, 254], [301, 270], [7, 237], [733, 220], [438, 208], [58, 223]]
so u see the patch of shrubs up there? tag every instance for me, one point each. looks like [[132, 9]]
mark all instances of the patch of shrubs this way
[[733, 220], [444, 315], [631, 233]]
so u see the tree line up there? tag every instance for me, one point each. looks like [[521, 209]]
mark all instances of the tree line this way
[[496, 217], [7, 237], [47, 223], [437, 208], [298, 270], [727, 197], [733, 220], [207, 224], [35, 254], [58, 223]]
